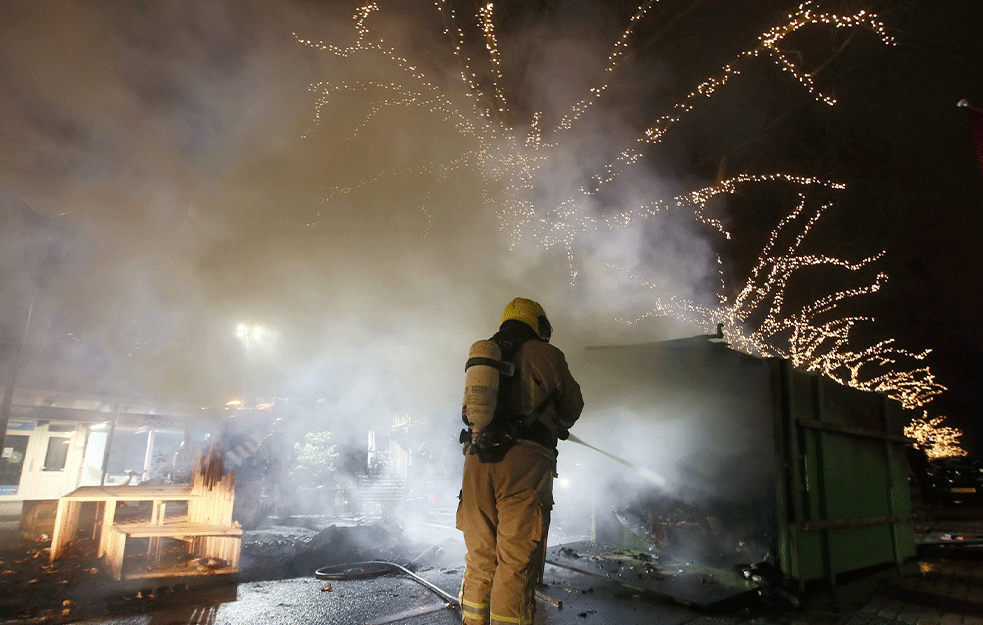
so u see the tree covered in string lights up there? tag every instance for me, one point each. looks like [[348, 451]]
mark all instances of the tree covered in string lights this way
[[513, 147]]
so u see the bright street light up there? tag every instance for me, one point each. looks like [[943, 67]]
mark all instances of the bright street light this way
[[249, 334]]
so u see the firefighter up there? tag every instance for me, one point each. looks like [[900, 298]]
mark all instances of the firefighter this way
[[507, 493]]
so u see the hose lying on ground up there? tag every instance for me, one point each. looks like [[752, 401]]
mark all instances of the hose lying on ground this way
[[365, 570], [375, 568]]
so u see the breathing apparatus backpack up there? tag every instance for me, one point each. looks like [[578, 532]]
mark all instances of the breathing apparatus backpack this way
[[494, 424]]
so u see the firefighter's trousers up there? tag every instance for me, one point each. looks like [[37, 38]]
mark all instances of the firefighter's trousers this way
[[505, 516]]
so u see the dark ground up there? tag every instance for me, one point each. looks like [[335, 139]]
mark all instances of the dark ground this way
[[75, 588]]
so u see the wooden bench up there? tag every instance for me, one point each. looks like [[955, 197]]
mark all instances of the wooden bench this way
[[207, 527], [220, 544]]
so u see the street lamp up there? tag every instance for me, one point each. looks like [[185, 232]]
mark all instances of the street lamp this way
[[249, 335]]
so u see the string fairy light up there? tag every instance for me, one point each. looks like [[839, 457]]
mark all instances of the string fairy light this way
[[769, 46], [757, 319], [510, 164], [813, 338], [934, 438]]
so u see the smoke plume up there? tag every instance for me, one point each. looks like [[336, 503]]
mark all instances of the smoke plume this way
[[197, 184]]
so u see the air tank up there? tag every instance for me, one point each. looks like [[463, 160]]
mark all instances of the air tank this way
[[481, 384]]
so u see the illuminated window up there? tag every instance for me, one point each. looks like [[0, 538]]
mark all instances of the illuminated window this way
[[57, 454], [12, 460]]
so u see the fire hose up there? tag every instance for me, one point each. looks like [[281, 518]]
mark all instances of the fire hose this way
[[375, 568], [648, 474]]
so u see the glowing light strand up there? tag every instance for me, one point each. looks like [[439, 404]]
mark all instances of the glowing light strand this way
[[935, 439], [506, 161], [769, 45], [620, 47], [804, 336], [491, 43]]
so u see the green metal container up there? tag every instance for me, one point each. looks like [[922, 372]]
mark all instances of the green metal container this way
[[845, 502], [828, 460]]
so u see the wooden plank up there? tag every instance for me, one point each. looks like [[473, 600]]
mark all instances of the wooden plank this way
[[115, 547], [108, 516], [131, 493], [181, 572], [147, 530], [59, 537], [212, 545]]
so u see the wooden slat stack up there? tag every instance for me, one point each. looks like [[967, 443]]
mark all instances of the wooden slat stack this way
[[214, 507]]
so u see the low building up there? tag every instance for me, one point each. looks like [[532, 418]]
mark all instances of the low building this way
[[58, 441]]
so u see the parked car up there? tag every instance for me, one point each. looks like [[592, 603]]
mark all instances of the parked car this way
[[954, 480]]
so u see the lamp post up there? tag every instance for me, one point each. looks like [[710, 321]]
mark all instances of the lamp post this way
[[250, 335]]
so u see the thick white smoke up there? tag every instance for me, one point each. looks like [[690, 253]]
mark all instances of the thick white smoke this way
[[178, 144]]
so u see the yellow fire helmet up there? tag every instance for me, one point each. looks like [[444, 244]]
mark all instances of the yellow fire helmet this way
[[530, 313]]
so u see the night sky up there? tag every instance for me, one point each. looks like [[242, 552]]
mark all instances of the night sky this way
[[169, 157]]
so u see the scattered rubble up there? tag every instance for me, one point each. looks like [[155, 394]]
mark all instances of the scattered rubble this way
[[76, 586], [30, 586]]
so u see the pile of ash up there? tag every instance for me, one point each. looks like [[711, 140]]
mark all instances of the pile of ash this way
[[298, 555]]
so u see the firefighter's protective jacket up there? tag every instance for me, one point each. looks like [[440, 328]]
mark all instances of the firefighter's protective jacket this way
[[541, 371]]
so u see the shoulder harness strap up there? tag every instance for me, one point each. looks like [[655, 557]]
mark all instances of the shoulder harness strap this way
[[506, 368]]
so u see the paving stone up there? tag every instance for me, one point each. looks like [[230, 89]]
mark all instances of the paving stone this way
[[916, 609], [869, 619], [716, 620]]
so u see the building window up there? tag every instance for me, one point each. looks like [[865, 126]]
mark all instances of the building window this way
[[57, 454], [12, 460]]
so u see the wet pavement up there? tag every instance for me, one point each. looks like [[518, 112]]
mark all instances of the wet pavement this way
[[377, 601], [398, 599], [915, 599], [944, 588]]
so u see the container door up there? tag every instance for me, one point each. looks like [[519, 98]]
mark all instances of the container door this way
[[53, 461]]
